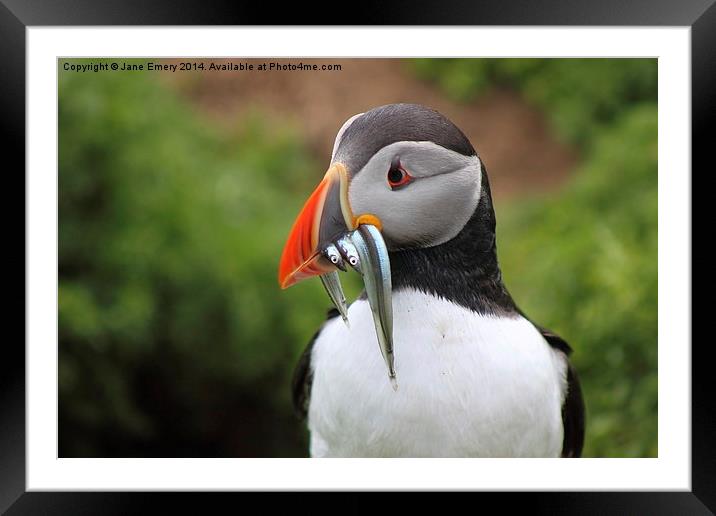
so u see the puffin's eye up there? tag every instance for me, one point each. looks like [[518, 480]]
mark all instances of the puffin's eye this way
[[397, 175]]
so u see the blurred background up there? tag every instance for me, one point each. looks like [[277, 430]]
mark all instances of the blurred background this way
[[177, 191]]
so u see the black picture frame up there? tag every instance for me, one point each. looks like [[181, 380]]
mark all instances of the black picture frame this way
[[17, 15]]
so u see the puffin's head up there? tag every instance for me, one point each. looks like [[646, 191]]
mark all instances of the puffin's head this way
[[403, 168]]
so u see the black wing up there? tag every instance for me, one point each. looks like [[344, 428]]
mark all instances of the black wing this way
[[573, 416], [303, 374], [573, 408]]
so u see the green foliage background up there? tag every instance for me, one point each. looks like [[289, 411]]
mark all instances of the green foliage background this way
[[174, 338]]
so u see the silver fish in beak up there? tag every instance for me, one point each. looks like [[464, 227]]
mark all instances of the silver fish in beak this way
[[325, 238], [375, 269], [332, 284]]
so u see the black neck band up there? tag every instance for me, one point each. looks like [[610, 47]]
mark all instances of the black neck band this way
[[463, 270]]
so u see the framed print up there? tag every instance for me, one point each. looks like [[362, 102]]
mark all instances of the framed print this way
[[169, 174]]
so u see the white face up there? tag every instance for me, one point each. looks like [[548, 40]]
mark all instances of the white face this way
[[432, 207]]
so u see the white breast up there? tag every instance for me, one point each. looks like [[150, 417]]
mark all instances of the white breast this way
[[469, 385]]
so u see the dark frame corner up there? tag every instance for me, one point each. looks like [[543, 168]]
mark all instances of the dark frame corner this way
[[17, 15]]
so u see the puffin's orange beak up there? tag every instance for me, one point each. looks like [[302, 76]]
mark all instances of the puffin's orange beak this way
[[325, 216]]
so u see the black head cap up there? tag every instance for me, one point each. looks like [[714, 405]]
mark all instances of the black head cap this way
[[392, 123]]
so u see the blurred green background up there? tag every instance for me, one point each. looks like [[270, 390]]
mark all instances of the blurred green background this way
[[177, 191]]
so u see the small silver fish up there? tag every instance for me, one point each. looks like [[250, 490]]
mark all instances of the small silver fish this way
[[333, 255], [375, 269], [348, 250], [332, 284]]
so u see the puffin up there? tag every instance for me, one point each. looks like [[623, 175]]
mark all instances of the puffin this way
[[434, 358]]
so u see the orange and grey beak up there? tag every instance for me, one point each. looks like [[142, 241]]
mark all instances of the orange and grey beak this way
[[325, 216]]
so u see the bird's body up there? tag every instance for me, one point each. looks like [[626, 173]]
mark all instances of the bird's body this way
[[475, 377], [470, 385]]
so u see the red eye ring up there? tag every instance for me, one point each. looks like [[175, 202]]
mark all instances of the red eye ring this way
[[398, 176]]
